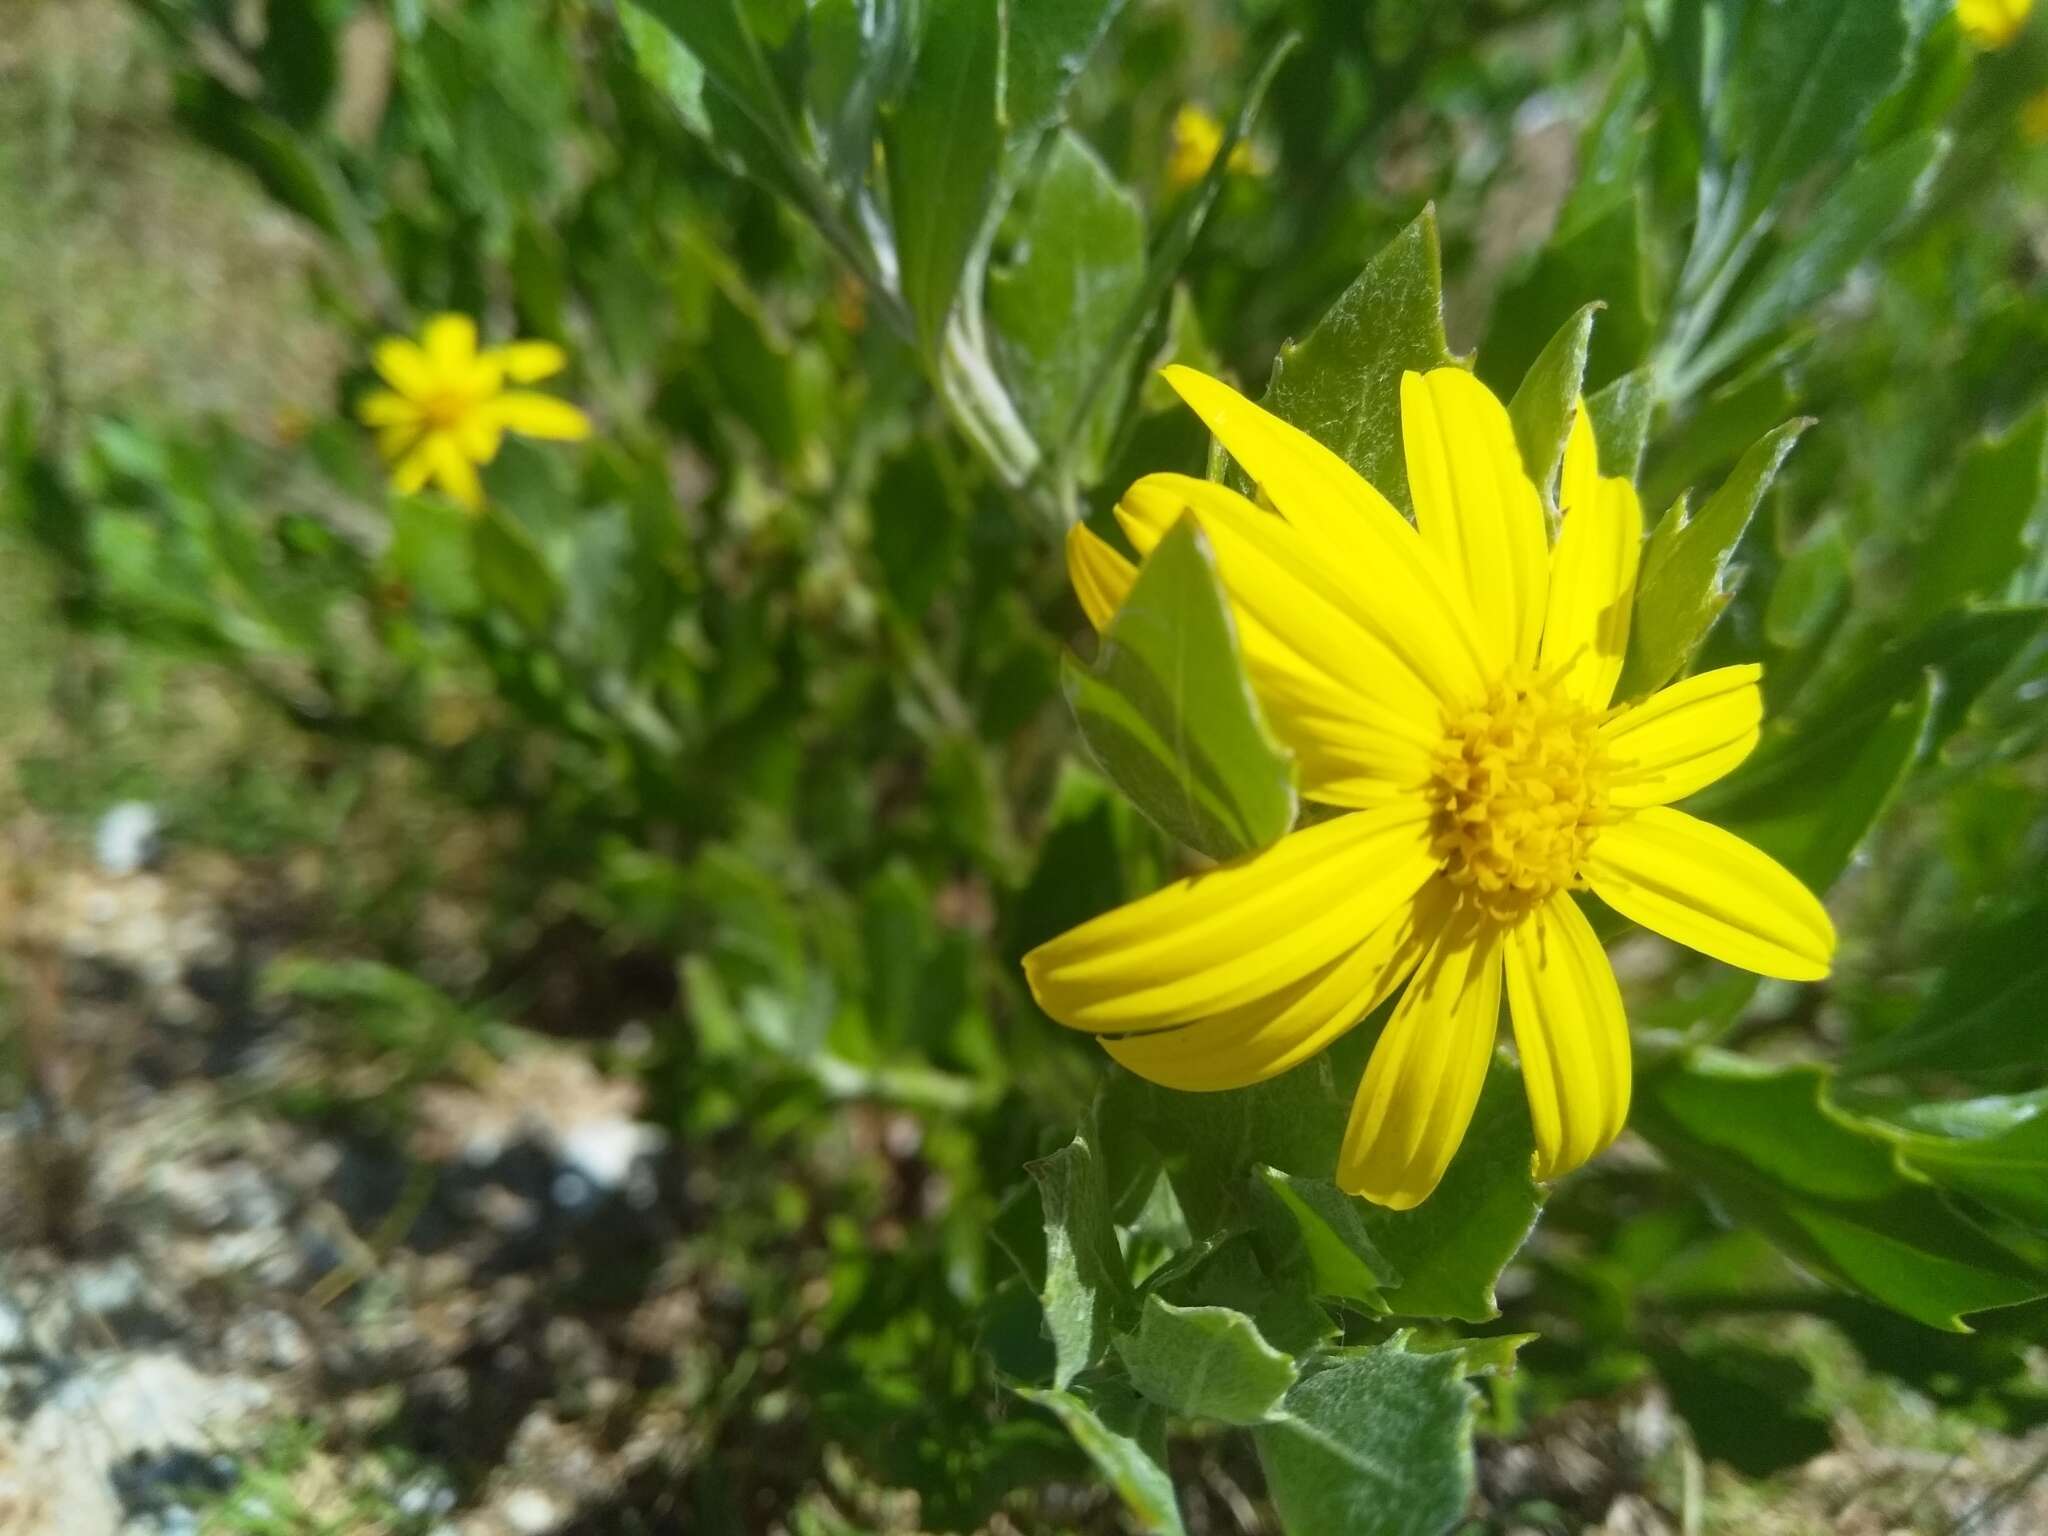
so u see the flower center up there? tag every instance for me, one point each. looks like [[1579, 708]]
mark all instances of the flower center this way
[[446, 409], [1519, 788]]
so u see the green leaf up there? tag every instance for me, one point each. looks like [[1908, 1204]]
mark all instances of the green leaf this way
[[512, 572], [1341, 384], [667, 65], [1126, 1439], [1167, 714], [1621, 414], [944, 143], [860, 54], [1377, 1444], [1326, 1229], [1847, 225], [1968, 650], [1599, 263], [1058, 309], [1684, 583], [432, 552], [1979, 540], [1985, 1011], [1050, 43], [1546, 401], [1205, 1363], [730, 96], [1448, 1252], [1810, 796], [1087, 1286], [1802, 80], [1171, 249], [1994, 1150], [1771, 1149]]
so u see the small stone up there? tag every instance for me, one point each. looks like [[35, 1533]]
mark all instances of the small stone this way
[[127, 837], [17, 1341]]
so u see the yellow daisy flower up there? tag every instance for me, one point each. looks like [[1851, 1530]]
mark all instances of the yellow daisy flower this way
[[1448, 685], [448, 409], [1197, 135], [1993, 24]]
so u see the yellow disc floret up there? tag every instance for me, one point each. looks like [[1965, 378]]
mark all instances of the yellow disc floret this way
[[1519, 791]]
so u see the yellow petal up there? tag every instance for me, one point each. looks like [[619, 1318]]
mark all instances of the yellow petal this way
[[1239, 932], [450, 342], [1476, 506], [412, 471], [528, 362], [1682, 738], [395, 442], [387, 408], [537, 415], [479, 436], [1265, 1038], [1592, 574], [1571, 1033], [1347, 524], [405, 367], [1423, 1081], [453, 472], [1102, 578], [1712, 892], [1581, 477], [1313, 660]]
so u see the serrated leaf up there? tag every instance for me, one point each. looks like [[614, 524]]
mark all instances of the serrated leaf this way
[[1057, 310], [1167, 714], [1843, 230], [1087, 1287], [1771, 1149], [1376, 1444], [944, 143], [1546, 400], [1985, 1011], [1326, 1228], [1126, 1439], [1683, 585], [1979, 540], [1341, 383], [1448, 1252], [1205, 1363]]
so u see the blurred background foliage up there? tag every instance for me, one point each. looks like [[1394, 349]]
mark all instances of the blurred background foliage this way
[[743, 724]]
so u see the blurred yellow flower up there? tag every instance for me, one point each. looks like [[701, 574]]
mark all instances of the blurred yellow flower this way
[[1448, 683], [448, 409], [1196, 138], [1993, 24]]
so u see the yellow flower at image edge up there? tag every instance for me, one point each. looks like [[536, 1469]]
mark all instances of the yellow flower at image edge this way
[[1993, 24], [447, 409], [1197, 135], [1447, 685]]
